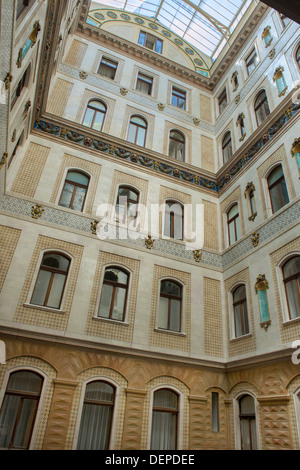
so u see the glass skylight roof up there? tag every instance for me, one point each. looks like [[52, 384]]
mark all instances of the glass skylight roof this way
[[205, 24]]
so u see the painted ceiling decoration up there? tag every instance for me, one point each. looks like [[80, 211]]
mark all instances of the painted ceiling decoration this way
[[204, 25], [101, 16]]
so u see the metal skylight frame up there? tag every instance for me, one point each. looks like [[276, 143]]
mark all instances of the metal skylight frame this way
[[206, 24]]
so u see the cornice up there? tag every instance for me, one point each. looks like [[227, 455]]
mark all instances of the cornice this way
[[227, 366]]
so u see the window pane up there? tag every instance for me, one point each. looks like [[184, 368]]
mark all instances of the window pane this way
[[56, 261], [41, 288], [175, 315], [88, 118], [163, 313], [293, 293], [100, 391], [105, 302], [94, 427], [247, 405], [132, 133], [56, 291], [245, 434], [292, 267], [232, 236], [165, 399], [25, 423], [238, 320], [79, 199], [116, 275], [8, 416], [25, 381], [239, 294], [275, 198], [119, 303], [78, 177], [98, 122], [66, 196], [163, 431], [171, 288], [141, 134]]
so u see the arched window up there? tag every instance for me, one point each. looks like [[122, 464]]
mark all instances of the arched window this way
[[277, 189], [51, 280], [233, 223], [241, 323], [74, 191], [127, 204], [137, 131], [227, 147], [114, 294], [291, 278], [170, 306], [96, 418], [261, 107], [174, 220], [94, 115], [177, 145], [19, 408], [247, 423], [164, 420], [298, 56]]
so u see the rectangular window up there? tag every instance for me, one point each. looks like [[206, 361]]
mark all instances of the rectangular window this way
[[150, 41], [108, 68], [215, 412], [19, 89], [144, 84], [222, 100], [251, 61], [178, 98]]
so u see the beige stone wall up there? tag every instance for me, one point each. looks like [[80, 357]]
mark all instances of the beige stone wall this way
[[108, 328], [76, 53], [241, 345], [163, 339], [289, 331], [279, 156], [29, 174], [68, 367], [70, 161], [9, 239], [206, 108], [211, 236], [213, 329], [207, 154], [38, 316], [59, 97]]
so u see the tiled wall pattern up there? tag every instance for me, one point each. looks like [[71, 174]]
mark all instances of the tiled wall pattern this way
[[211, 239], [59, 97], [169, 340], [9, 239], [29, 174], [76, 53], [43, 317], [213, 328], [71, 162], [108, 328], [240, 345]]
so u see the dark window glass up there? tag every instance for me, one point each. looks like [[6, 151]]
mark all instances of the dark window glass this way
[[164, 420], [18, 411], [277, 189], [251, 61], [240, 311], [21, 5], [291, 277], [127, 204], [247, 423], [94, 115], [170, 306], [174, 220], [215, 411], [108, 68], [261, 107], [144, 84], [50, 284], [96, 419], [150, 41], [177, 145], [137, 131], [222, 100], [227, 147], [20, 87], [178, 98], [233, 224], [74, 191], [114, 294], [298, 56]]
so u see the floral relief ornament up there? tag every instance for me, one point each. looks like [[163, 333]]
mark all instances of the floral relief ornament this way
[[37, 211], [197, 255], [255, 239], [149, 242]]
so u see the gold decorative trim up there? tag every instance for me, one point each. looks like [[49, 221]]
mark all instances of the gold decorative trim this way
[[123, 91], [3, 160], [37, 211], [94, 226], [161, 106], [149, 242], [255, 238], [197, 255]]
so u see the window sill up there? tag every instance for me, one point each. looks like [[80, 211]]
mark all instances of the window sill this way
[[110, 320], [239, 338], [45, 309], [170, 332], [291, 321]]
